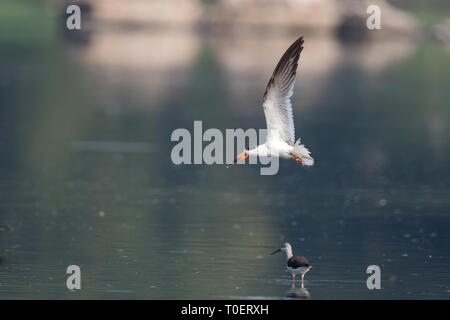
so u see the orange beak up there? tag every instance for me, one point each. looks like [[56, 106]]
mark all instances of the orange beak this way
[[240, 156]]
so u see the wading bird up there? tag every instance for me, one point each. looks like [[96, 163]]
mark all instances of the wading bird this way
[[295, 264], [277, 107]]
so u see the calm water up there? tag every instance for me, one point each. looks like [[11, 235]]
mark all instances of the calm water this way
[[375, 115]]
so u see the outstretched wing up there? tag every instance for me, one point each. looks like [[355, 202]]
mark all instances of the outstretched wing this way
[[277, 98]]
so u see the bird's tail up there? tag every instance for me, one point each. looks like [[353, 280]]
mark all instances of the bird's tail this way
[[304, 153]]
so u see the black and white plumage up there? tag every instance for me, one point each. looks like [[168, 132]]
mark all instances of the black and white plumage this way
[[298, 262], [277, 107], [295, 264]]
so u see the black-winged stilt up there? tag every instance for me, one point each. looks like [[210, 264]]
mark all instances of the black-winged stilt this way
[[295, 264]]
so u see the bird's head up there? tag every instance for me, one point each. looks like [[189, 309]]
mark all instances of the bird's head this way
[[285, 247]]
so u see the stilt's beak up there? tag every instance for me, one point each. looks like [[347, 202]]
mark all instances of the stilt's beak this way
[[276, 251], [240, 156]]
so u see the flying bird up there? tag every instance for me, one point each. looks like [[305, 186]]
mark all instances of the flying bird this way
[[295, 264], [277, 107]]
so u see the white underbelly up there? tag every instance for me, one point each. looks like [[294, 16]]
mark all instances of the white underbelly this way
[[301, 270], [280, 149]]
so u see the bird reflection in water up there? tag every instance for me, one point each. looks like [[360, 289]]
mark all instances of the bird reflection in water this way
[[297, 292]]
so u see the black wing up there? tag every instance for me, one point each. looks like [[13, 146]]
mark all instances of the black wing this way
[[298, 262]]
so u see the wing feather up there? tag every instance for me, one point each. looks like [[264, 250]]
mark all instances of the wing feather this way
[[277, 98]]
